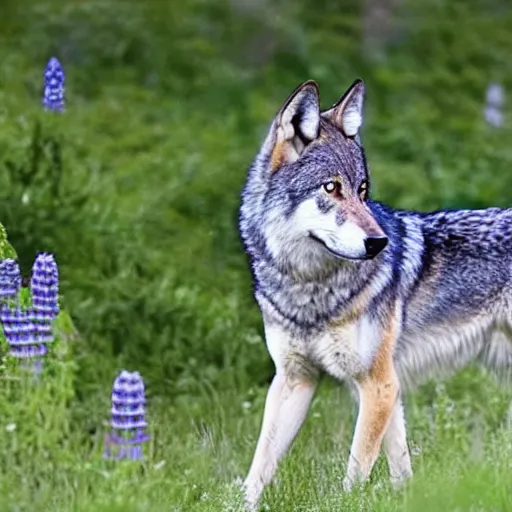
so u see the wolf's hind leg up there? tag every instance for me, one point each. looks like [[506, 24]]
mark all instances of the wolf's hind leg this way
[[395, 446], [288, 401]]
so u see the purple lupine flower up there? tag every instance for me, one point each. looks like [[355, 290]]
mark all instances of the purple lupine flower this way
[[54, 77], [128, 417], [43, 332], [21, 334], [44, 286], [10, 278]]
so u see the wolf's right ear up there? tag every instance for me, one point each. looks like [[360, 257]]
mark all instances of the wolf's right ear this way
[[347, 113], [296, 125]]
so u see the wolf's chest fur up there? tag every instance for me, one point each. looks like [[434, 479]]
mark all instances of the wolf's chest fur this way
[[324, 324], [341, 348]]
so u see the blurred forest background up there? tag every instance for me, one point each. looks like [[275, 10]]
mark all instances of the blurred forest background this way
[[166, 105]]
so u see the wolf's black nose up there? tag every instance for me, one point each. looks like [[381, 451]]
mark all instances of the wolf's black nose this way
[[375, 244]]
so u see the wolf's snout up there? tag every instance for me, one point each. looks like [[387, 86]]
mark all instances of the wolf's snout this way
[[374, 245]]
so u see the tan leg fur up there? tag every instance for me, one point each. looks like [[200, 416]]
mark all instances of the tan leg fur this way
[[378, 393]]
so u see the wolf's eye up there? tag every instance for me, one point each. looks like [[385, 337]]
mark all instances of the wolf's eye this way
[[330, 187], [363, 190]]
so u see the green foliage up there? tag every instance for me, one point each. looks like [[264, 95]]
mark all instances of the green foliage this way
[[6, 249], [35, 409]]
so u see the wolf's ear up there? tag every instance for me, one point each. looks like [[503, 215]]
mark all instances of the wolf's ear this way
[[296, 125], [347, 113]]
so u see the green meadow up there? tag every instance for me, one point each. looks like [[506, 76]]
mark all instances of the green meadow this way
[[135, 189]]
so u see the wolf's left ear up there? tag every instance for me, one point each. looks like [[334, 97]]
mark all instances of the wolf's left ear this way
[[347, 113], [296, 125]]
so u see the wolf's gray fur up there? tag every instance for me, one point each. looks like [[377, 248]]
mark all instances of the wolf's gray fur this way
[[447, 275]]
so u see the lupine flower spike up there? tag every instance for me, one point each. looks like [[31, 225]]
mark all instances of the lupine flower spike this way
[[128, 417], [54, 77], [10, 279], [27, 331], [44, 286], [25, 341]]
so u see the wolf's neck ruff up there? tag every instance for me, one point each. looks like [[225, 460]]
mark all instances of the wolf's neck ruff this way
[[310, 304]]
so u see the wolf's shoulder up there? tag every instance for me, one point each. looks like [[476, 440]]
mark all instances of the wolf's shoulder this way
[[496, 219], [462, 221], [462, 229], [488, 228]]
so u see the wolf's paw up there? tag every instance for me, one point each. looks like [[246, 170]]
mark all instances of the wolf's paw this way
[[250, 505], [398, 481], [348, 484], [251, 496], [352, 484]]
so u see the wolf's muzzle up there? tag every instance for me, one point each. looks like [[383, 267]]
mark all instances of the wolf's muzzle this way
[[374, 245]]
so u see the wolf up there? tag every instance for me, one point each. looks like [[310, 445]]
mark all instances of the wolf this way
[[378, 297]]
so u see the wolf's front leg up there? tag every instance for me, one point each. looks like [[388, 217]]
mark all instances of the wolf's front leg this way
[[379, 390], [286, 406]]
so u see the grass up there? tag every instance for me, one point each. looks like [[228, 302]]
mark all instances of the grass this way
[[201, 447]]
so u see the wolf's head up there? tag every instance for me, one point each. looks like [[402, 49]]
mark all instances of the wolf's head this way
[[306, 197]]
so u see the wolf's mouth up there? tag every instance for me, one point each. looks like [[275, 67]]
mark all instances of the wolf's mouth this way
[[332, 251]]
